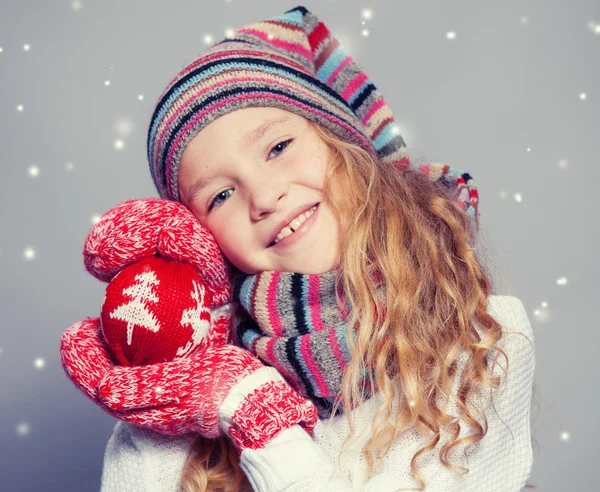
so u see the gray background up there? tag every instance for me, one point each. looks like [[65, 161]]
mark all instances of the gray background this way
[[510, 81]]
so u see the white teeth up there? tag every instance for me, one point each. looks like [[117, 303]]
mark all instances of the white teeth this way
[[294, 225]]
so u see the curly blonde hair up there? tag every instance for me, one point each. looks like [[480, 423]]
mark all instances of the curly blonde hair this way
[[409, 231]]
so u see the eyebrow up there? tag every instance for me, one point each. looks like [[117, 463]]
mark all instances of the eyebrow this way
[[248, 138], [260, 131]]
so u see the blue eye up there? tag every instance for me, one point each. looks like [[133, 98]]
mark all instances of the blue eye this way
[[285, 144], [214, 202]]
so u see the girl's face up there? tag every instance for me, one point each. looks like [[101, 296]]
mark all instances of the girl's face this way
[[242, 187]]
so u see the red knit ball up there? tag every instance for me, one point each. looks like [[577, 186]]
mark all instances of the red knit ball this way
[[155, 310]]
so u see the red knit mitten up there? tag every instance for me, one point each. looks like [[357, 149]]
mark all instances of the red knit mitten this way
[[218, 389], [85, 358], [143, 227]]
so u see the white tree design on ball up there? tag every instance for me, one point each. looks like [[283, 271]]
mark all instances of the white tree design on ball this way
[[136, 312], [192, 317]]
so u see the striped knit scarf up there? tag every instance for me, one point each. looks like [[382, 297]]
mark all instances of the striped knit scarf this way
[[292, 321]]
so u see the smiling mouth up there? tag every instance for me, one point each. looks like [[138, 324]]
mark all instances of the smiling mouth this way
[[293, 231]]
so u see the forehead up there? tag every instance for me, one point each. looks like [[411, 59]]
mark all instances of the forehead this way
[[242, 129]]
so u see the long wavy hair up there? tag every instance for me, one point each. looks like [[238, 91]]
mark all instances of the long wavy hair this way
[[407, 231]]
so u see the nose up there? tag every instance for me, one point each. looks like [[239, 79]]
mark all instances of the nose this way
[[265, 202]]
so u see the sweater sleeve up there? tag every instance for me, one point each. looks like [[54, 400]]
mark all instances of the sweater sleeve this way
[[141, 460], [501, 462]]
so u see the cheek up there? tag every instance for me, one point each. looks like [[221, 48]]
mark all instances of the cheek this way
[[229, 236], [312, 169]]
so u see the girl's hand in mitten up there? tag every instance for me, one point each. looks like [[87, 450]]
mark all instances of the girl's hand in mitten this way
[[219, 389], [85, 358], [140, 228]]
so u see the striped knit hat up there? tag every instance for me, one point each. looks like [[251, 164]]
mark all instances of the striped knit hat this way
[[291, 62]]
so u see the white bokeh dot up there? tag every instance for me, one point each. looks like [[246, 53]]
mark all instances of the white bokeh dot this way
[[23, 429], [95, 219], [518, 197], [76, 5], [564, 436], [140, 97], [365, 32], [119, 144], [208, 39], [562, 281], [20, 108], [29, 254], [229, 33], [124, 127], [367, 14], [1, 49], [107, 83], [26, 47], [542, 314], [33, 171], [524, 20], [451, 35], [583, 96], [563, 164], [39, 363], [595, 28]]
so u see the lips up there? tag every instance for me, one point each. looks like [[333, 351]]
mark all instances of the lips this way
[[288, 218]]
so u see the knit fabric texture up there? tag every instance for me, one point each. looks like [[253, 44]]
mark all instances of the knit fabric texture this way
[[139, 459], [292, 321], [155, 310], [290, 61]]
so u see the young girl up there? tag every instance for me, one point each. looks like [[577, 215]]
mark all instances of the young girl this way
[[277, 123]]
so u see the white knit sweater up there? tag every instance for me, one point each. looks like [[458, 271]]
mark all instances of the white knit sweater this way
[[141, 460]]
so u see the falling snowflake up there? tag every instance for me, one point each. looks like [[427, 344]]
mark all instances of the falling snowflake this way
[[29, 253], [124, 127], [23, 429]]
